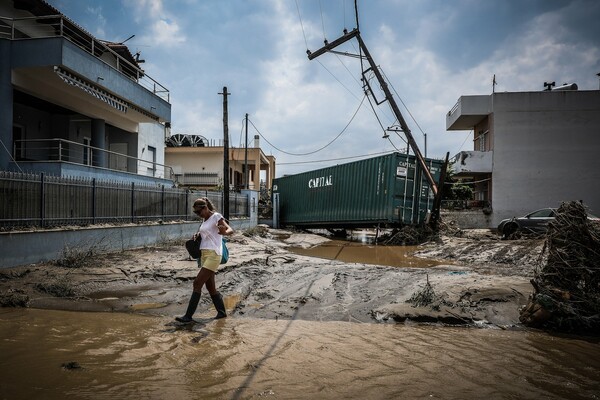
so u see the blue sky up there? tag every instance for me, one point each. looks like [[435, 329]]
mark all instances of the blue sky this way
[[432, 52]]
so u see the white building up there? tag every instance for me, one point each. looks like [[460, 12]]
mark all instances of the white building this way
[[531, 149], [75, 105], [198, 163]]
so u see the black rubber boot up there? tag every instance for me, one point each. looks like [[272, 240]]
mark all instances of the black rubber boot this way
[[194, 300], [219, 305]]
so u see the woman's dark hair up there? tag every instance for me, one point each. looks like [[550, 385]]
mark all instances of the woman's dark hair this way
[[204, 201]]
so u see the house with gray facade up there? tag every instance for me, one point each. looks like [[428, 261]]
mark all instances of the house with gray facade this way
[[75, 105], [531, 150]]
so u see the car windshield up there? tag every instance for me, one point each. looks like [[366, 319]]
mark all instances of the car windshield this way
[[545, 213]]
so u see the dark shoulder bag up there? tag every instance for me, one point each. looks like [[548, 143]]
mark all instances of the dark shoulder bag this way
[[193, 247]]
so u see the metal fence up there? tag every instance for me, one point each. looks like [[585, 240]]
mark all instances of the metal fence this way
[[39, 200]]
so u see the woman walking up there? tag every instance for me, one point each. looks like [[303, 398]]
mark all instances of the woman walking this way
[[213, 227]]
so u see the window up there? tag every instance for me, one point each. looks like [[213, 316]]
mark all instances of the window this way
[[152, 155], [481, 141]]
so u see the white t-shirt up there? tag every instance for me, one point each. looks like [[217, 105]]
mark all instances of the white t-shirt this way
[[211, 239]]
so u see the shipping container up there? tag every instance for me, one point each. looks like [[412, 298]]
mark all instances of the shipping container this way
[[389, 190]]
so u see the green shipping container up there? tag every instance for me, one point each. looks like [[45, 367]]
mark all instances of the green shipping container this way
[[389, 190]]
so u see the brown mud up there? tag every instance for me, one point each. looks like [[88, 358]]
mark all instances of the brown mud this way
[[476, 279]]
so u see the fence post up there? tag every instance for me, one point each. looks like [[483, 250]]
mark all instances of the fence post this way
[[132, 201], [42, 200], [187, 199], [93, 200]]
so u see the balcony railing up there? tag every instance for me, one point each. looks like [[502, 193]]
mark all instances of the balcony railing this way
[[58, 26], [61, 150], [199, 179], [472, 162]]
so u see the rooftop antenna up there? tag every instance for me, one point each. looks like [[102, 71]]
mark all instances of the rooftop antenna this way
[[130, 37]]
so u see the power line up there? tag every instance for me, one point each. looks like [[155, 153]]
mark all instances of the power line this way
[[335, 159], [405, 107], [322, 22], [302, 25], [335, 77], [315, 151]]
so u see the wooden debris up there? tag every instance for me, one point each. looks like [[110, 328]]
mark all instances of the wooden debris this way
[[566, 294]]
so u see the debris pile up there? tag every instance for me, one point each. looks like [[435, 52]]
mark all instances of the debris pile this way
[[410, 235], [566, 294], [424, 297]]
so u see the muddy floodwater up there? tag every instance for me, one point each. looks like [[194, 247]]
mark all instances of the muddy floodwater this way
[[80, 355], [356, 252]]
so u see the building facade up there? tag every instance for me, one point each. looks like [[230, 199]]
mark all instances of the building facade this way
[[199, 163], [531, 149], [74, 105]]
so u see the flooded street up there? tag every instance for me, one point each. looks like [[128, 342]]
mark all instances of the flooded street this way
[[353, 252], [129, 356]]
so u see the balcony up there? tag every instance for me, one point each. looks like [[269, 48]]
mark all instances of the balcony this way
[[61, 157], [468, 112], [472, 162], [52, 57]]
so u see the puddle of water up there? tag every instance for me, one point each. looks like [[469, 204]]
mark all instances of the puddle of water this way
[[353, 252], [129, 356], [147, 306]]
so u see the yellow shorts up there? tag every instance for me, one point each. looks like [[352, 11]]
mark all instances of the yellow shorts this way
[[209, 260]]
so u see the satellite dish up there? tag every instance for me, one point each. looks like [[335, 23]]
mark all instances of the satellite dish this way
[[185, 140], [178, 140], [198, 141]]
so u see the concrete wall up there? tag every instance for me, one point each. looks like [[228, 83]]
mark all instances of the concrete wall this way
[[21, 248], [546, 149], [475, 219]]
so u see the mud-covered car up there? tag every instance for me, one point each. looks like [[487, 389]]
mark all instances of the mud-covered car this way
[[534, 222]]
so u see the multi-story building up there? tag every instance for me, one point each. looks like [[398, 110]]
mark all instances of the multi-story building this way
[[198, 163], [531, 149], [75, 105]]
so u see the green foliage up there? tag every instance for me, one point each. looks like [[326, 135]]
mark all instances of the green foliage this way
[[461, 192]]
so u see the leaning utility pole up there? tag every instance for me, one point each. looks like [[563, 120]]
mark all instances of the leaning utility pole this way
[[225, 156], [388, 96], [329, 46], [246, 186]]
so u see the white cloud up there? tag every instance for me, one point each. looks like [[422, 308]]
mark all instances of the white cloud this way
[[100, 21], [163, 29], [147, 8], [167, 33]]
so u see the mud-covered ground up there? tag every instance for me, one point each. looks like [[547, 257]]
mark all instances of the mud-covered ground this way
[[485, 282]]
